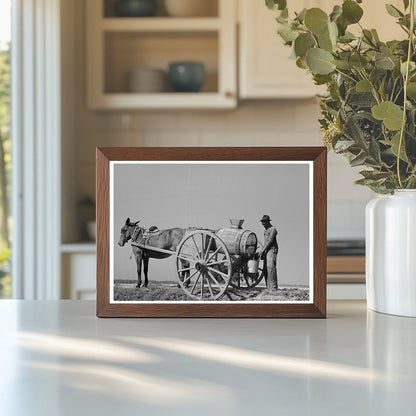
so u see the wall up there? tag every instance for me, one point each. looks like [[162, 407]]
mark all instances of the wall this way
[[254, 123]]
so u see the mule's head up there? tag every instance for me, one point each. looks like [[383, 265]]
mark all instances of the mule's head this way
[[126, 232]]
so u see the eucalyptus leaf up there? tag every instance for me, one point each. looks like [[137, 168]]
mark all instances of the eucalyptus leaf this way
[[395, 144], [393, 11], [358, 61], [358, 160], [374, 174], [303, 43], [345, 65], [411, 90], [351, 11], [276, 4], [321, 79], [325, 42], [391, 115], [287, 33], [336, 12], [343, 145], [384, 62], [369, 36], [347, 37], [363, 86], [316, 20], [320, 61], [301, 63], [375, 35], [301, 15], [342, 25]]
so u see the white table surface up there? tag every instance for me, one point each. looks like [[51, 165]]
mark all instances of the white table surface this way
[[57, 358]]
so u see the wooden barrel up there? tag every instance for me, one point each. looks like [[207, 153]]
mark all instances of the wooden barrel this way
[[238, 241]]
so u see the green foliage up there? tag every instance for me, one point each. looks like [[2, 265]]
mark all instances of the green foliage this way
[[5, 281], [365, 115]]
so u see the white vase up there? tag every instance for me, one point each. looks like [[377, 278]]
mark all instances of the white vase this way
[[391, 253]]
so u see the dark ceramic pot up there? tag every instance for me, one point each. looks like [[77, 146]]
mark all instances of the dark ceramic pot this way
[[186, 76], [135, 8]]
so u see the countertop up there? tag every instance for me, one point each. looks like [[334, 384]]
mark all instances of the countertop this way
[[57, 358]]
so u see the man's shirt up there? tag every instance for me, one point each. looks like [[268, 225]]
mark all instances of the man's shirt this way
[[270, 238]]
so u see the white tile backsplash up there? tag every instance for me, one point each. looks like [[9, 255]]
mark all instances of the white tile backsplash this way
[[258, 123]]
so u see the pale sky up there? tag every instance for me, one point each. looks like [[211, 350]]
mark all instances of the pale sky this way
[[5, 19], [207, 196]]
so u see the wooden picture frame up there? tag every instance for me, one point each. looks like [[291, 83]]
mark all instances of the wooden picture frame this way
[[266, 161]]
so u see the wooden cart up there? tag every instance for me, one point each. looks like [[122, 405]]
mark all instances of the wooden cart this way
[[209, 263]]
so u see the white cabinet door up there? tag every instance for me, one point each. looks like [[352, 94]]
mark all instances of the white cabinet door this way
[[78, 276], [265, 68]]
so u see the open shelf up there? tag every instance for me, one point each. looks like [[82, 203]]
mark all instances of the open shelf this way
[[211, 9], [160, 24], [119, 45], [126, 51]]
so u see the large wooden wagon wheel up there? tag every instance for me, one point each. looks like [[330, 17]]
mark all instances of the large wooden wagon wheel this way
[[242, 279], [203, 265]]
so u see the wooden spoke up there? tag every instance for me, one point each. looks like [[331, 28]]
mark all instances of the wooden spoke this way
[[214, 254], [218, 262], [202, 286], [225, 276], [210, 288], [186, 258], [203, 248], [187, 269], [213, 278], [207, 248], [195, 283], [196, 246], [190, 277]]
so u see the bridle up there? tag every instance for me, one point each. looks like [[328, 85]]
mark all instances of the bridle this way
[[136, 233]]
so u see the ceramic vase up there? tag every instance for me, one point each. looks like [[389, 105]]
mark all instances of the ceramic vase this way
[[391, 253]]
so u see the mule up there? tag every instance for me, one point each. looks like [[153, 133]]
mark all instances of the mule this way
[[168, 239]]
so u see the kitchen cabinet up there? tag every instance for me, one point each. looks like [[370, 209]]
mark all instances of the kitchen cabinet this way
[[265, 68], [78, 262], [118, 45]]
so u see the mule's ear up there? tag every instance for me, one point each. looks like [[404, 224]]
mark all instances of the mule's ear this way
[[128, 221]]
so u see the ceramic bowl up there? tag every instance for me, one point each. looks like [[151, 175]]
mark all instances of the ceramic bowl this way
[[135, 8], [186, 76]]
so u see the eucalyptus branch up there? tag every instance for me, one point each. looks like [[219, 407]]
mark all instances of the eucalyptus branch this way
[[373, 88], [346, 75], [406, 80]]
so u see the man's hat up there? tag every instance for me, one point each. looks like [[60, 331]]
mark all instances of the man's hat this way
[[265, 218]]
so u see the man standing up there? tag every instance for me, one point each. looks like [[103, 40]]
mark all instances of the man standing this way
[[269, 252]]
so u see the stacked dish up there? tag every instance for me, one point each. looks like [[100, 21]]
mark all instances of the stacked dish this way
[[191, 8], [147, 80]]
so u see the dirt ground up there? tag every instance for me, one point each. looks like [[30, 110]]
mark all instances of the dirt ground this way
[[125, 290]]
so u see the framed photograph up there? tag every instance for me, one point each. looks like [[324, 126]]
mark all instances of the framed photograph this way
[[211, 232]]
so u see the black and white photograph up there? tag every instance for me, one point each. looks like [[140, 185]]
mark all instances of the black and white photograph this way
[[211, 231]]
